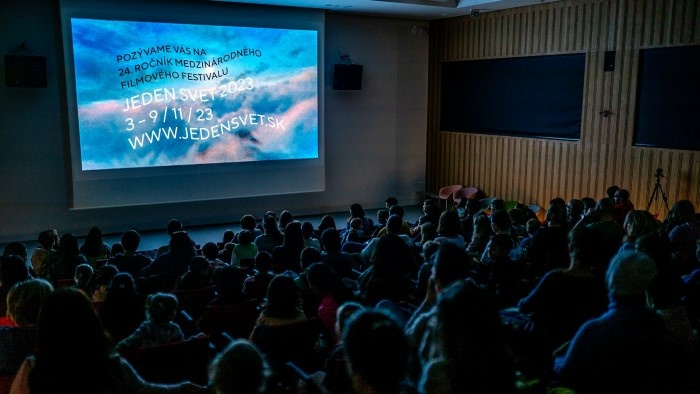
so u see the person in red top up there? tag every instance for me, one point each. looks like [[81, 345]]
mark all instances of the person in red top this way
[[622, 205]]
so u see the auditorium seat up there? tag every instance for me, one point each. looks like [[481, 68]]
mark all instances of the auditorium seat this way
[[446, 192]]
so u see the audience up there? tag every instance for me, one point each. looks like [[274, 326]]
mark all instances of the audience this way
[[561, 304], [73, 355], [93, 247]]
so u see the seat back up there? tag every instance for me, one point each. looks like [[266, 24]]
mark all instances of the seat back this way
[[236, 320], [6, 383], [194, 301], [295, 342], [173, 362]]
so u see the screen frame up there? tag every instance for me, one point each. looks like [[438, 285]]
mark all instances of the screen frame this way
[[181, 183]]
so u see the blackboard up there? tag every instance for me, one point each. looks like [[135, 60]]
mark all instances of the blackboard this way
[[534, 96], [668, 98]]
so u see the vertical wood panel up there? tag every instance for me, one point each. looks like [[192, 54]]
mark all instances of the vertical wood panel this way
[[534, 171]]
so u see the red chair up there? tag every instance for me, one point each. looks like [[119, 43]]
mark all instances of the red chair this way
[[6, 383], [446, 192], [466, 192]]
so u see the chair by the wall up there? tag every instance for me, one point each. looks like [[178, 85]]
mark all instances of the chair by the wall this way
[[446, 192]]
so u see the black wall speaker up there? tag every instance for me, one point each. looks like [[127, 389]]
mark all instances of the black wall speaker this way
[[25, 71], [347, 76]]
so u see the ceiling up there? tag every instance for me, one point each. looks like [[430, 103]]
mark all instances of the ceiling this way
[[405, 9]]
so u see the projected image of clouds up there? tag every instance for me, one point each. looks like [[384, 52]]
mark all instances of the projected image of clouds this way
[[162, 94]]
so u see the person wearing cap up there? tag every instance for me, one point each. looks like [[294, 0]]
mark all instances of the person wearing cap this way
[[628, 349]]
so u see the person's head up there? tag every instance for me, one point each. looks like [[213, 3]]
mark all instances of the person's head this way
[[24, 301], [326, 222], [394, 224], [585, 247], [391, 257], [285, 218], [500, 221], [638, 223], [270, 226], [323, 281], [556, 214], [229, 235], [517, 216], [497, 204], [246, 237], [248, 222], [16, 248], [588, 204], [621, 196], [376, 351], [181, 244], [532, 225], [282, 297], [83, 274], [473, 205], [68, 245], [48, 239], [682, 211], [611, 191], [574, 209], [391, 201], [73, 353], [13, 269], [451, 264], [331, 241], [210, 250], [472, 338], [629, 275], [161, 308], [174, 226], [428, 232], [344, 313], [501, 245], [94, 235], [103, 276], [263, 261], [482, 224], [449, 224], [117, 248], [605, 207], [122, 282], [356, 224], [309, 255], [238, 369], [307, 228], [293, 236], [229, 281], [198, 265], [397, 210], [429, 250], [131, 240], [356, 211]]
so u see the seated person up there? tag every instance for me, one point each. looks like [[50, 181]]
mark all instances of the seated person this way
[[130, 261], [159, 327], [197, 276], [16, 343], [239, 369]]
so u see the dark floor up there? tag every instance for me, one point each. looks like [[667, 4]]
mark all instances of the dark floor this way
[[214, 233]]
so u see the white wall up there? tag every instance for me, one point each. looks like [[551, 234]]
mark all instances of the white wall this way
[[375, 138]]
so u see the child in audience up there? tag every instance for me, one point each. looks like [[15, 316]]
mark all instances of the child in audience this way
[[239, 368], [100, 281], [355, 233], [159, 327], [48, 240], [245, 250], [255, 286], [83, 274]]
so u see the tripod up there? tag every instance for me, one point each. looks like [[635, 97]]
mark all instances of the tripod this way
[[657, 189]]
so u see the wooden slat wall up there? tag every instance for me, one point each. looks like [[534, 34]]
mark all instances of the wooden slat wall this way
[[533, 171]]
